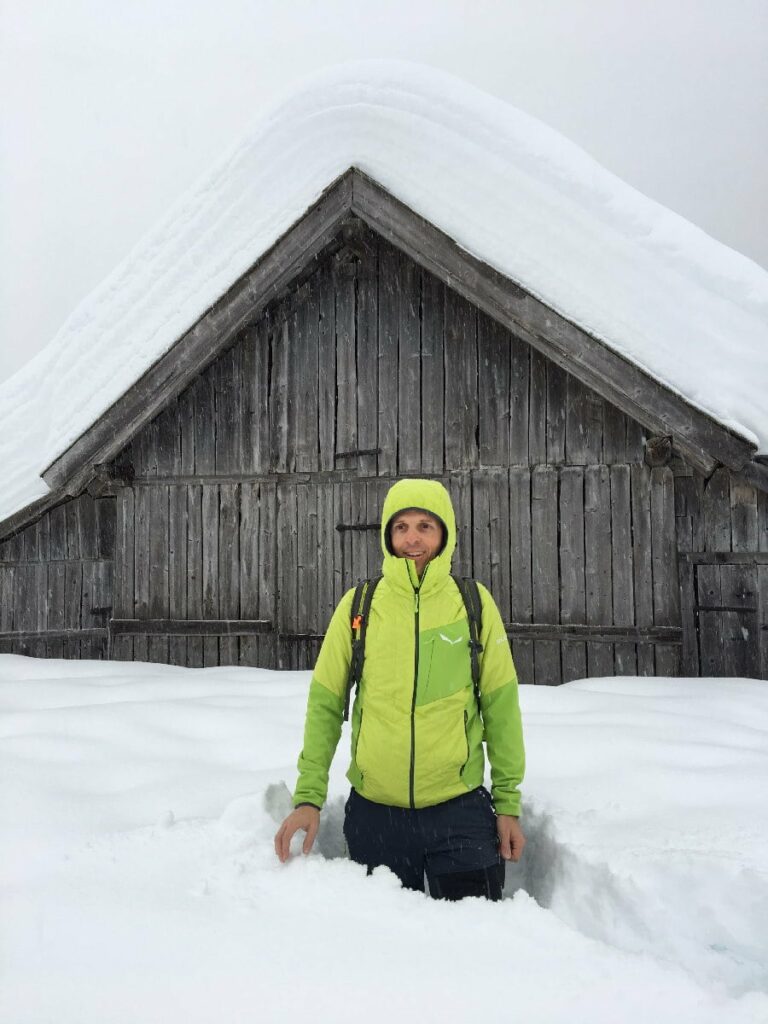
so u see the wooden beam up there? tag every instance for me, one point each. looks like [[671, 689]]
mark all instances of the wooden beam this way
[[190, 627], [166, 378], [702, 440], [595, 634], [724, 557], [56, 634]]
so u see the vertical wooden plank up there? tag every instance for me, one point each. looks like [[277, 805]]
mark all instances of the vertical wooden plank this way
[[520, 591], [306, 567], [481, 527], [635, 441], [744, 530], [519, 397], [461, 406], [666, 594], [29, 540], [249, 403], [7, 604], [368, 358], [762, 619], [141, 568], [584, 424], [614, 435], [305, 355], [187, 431], [546, 586], [572, 580], [557, 391], [346, 355], [640, 480], [459, 487], [709, 595], [194, 570], [597, 562], [205, 424], [288, 556], [623, 569], [740, 620], [106, 511], [376, 492], [72, 513], [717, 512], [43, 528], [226, 372], [168, 440], [86, 525], [210, 512], [56, 600], [177, 569], [359, 513], [493, 353], [327, 366], [26, 604], [432, 374], [124, 607], [325, 562], [58, 520], [158, 568], [229, 568], [499, 541], [537, 410], [690, 649], [407, 284], [73, 586], [689, 498], [268, 568], [87, 604], [249, 568], [340, 556], [103, 597], [389, 369]]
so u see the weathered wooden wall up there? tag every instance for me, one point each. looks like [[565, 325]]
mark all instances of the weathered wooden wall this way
[[56, 582], [722, 537], [252, 501]]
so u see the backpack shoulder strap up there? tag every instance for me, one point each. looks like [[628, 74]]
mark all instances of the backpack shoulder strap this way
[[470, 594], [361, 606]]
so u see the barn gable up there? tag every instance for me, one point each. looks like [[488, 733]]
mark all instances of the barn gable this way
[[244, 505]]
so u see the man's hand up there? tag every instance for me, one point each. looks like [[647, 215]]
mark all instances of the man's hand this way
[[511, 838], [307, 818]]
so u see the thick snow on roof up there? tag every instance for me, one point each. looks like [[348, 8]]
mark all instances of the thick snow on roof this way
[[506, 187]]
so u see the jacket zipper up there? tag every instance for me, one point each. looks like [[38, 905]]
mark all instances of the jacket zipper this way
[[412, 780], [466, 737]]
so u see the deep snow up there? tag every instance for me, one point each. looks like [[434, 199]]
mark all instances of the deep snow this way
[[506, 187], [138, 804]]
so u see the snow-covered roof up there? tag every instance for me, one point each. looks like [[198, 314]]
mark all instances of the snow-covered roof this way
[[510, 190]]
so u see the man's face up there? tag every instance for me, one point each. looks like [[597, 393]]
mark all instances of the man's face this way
[[417, 535]]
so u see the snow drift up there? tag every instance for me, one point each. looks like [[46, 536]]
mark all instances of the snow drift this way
[[139, 881]]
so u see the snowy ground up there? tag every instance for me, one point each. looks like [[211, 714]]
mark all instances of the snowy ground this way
[[139, 884]]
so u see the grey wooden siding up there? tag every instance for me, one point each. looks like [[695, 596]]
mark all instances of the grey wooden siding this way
[[56, 582], [243, 511]]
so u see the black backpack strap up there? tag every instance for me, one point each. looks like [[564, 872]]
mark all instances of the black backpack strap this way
[[361, 606], [470, 595]]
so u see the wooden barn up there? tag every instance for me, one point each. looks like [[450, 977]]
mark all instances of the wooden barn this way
[[220, 506]]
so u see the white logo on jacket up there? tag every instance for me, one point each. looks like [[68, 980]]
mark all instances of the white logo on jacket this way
[[448, 639]]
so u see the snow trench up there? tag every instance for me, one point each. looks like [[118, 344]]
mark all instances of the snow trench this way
[[689, 912]]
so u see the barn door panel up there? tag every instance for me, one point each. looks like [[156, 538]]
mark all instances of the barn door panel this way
[[726, 614]]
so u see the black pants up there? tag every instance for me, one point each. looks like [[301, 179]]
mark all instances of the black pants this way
[[455, 844]]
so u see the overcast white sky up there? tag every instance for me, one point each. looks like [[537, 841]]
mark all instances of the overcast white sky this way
[[111, 109]]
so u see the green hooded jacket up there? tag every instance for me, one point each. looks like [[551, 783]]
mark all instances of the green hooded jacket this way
[[417, 733]]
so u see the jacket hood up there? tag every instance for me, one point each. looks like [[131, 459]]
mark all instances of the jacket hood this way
[[431, 496]]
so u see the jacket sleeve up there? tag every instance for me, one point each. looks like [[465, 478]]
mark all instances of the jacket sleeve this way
[[500, 710], [325, 708]]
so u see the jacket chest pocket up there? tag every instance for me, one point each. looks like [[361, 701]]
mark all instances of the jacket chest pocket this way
[[444, 663]]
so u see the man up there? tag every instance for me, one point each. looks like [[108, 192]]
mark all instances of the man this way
[[417, 803]]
